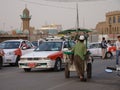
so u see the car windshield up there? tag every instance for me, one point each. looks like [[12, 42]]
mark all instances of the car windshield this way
[[49, 46], [9, 45], [35, 43]]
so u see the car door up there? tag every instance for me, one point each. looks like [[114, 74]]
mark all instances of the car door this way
[[99, 49], [93, 49]]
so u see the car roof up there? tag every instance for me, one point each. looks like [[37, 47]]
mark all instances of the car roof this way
[[54, 41], [95, 43], [19, 40]]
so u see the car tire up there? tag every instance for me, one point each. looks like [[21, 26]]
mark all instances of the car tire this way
[[108, 55], [1, 62], [57, 66], [12, 64], [67, 72], [27, 69], [89, 70]]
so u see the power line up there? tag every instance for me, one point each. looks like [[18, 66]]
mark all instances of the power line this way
[[73, 0], [41, 4]]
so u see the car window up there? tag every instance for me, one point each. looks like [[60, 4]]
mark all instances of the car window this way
[[35, 43], [66, 45], [99, 45], [69, 44], [29, 45], [49, 46], [93, 45], [10, 45], [72, 43]]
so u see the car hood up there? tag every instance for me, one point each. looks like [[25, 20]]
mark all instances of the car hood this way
[[8, 50], [39, 54]]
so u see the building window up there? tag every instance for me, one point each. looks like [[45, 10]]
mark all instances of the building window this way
[[117, 30], [114, 19], [110, 20], [118, 19]]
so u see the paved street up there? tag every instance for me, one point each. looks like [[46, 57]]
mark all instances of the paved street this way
[[13, 78]]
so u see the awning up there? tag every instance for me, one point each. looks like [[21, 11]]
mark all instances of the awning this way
[[74, 30]]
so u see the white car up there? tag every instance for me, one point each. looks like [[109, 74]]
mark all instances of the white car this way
[[95, 49], [13, 50], [47, 55]]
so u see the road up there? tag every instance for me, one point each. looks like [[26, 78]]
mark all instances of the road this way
[[13, 78]]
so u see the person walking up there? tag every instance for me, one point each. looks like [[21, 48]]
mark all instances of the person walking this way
[[117, 50], [104, 47], [79, 51]]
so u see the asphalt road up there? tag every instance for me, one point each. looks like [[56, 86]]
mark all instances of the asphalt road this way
[[13, 78]]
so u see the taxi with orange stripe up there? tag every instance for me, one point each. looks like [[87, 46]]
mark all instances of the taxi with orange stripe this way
[[14, 49], [48, 55], [95, 49]]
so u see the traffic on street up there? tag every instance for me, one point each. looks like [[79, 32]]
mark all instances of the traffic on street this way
[[59, 45], [14, 78]]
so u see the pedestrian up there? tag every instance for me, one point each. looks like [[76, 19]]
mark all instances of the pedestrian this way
[[117, 50], [104, 47], [24, 45], [79, 51], [109, 43]]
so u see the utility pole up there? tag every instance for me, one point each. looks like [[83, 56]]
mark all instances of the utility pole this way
[[77, 23]]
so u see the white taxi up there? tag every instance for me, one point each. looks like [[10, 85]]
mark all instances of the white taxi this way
[[13, 50], [95, 49], [47, 55]]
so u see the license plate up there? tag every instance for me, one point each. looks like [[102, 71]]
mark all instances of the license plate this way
[[8, 60], [32, 65]]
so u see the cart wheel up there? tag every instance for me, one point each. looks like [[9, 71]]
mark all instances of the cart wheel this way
[[89, 70], [67, 72]]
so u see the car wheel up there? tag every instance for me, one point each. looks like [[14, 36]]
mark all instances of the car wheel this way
[[12, 64], [57, 66], [27, 69], [67, 72], [89, 70], [1, 62], [108, 55]]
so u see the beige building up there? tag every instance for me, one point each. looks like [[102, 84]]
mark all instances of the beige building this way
[[111, 26], [51, 29]]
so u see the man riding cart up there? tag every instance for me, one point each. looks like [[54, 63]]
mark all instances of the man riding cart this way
[[78, 59]]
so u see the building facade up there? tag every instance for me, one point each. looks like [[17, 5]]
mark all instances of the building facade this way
[[51, 29], [111, 26]]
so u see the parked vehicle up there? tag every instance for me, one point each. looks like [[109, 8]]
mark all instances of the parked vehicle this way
[[95, 49], [47, 55], [13, 49]]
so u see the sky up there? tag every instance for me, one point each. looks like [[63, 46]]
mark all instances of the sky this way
[[46, 12]]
